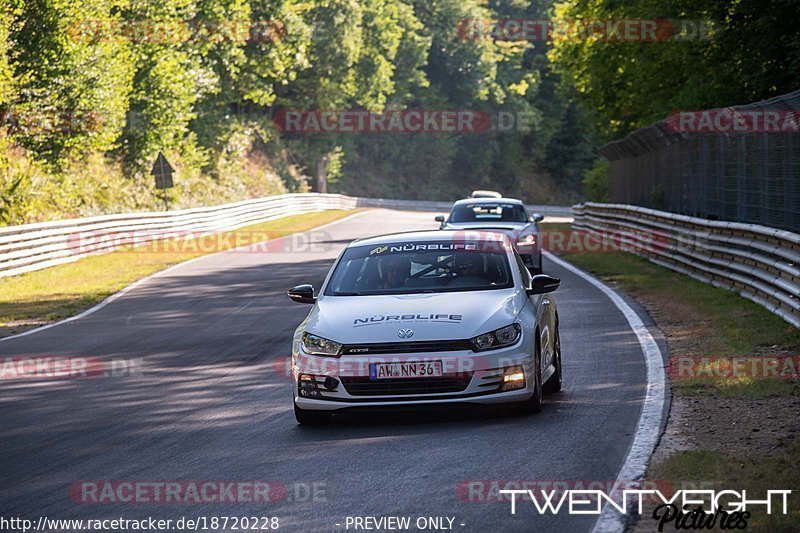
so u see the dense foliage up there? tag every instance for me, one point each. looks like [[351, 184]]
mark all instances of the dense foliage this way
[[92, 90], [738, 51]]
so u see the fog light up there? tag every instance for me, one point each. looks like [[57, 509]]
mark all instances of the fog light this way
[[307, 387], [513, 379]]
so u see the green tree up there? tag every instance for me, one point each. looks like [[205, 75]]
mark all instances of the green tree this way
[[596, 181], [354, 56], [7, 18], [171, 77], [221, 30], [72, 84], [278, 51], [747, 51]]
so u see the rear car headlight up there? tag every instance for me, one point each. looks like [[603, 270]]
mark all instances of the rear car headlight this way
[[527, 240], [498, 338], [315, 345]]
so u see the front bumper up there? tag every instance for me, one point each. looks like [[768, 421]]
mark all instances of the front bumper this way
[[469, 377]]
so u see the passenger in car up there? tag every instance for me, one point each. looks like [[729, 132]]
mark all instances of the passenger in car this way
[[395, 270], [468, 265]]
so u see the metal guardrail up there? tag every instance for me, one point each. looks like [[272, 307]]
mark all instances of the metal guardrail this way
[[760, 263], [36, 246]]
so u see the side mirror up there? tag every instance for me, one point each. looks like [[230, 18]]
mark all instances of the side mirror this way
[[439, 219], [302, 294], [537, 217], [542, 283]]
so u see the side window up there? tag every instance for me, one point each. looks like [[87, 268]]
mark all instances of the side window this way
[[523, 270]]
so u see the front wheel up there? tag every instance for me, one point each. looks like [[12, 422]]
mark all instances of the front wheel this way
[[534, 404], [553, 383], [305, 417]]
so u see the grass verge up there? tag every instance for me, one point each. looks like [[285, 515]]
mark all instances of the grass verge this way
[[734, 432], [36, 298], [737, 326], [714, 470], [700, 320]]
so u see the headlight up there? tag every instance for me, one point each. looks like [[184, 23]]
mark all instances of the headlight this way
[[314, 345], [497, 339], [527, 240]]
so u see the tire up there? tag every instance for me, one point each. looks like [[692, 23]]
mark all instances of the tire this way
[[553, 383], [305, 417], [534, 404]]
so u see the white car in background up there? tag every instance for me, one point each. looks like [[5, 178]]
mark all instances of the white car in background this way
[[485, 194], [506, 215], [426, 318]]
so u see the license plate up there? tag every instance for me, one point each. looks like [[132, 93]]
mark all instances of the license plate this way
[[420, 369]]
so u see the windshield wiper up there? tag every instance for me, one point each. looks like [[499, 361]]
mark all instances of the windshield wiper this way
[[344, 293]]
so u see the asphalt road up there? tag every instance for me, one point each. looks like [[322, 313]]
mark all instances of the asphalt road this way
[[211, 400]]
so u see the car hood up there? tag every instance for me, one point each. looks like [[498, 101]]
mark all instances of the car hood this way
[[439, 316]]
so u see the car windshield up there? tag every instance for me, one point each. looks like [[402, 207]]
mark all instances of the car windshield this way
[[408, 267], [488, 212]]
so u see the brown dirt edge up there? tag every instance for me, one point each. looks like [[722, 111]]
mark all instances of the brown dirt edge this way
[[740, 429]]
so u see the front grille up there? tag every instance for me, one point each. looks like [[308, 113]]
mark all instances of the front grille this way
[[364, 386], [406, 347]]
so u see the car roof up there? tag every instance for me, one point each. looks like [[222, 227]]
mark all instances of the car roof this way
[[484, 193], [489, 201], [426, 236]]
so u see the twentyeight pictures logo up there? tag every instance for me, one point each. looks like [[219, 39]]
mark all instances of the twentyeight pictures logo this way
[[684, 509]]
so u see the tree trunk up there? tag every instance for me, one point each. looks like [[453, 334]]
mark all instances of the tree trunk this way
[[322, 173]]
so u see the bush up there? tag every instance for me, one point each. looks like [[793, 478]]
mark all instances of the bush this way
[[597, 181], [31, 192]]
